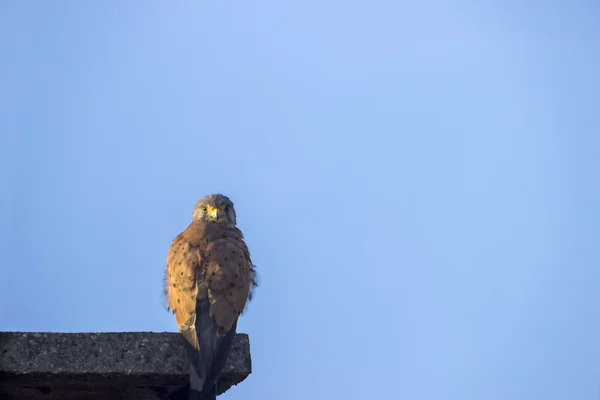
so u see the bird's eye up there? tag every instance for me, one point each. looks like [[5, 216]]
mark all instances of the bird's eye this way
[[227, 208], [204, 209]]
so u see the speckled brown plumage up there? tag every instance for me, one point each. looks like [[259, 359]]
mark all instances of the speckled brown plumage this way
[[213, 255], [209, 279]]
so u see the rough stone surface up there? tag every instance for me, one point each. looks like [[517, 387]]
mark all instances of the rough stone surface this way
[[129, 365]]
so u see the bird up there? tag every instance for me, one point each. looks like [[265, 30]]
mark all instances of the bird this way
[[209, 280]]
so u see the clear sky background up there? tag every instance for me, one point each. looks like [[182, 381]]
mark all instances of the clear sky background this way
[[418, 183]]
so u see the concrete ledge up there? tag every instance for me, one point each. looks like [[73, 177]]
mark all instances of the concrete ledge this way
[[130, 365]]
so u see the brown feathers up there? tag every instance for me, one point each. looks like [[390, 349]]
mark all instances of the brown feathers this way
[[209, 259]]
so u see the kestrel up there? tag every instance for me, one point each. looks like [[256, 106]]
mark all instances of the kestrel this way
[[209, 280]]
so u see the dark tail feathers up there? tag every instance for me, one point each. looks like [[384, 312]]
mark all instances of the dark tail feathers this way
[[200, 390]]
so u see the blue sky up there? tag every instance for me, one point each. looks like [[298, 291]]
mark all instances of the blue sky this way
[[417, 182]]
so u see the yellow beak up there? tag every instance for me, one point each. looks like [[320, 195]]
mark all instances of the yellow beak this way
[[216, 213]]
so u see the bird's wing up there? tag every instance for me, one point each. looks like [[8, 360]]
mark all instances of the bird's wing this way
[[229, 276], [183, 267]]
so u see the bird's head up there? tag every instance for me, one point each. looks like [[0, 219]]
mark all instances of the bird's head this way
[[215, 208]]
